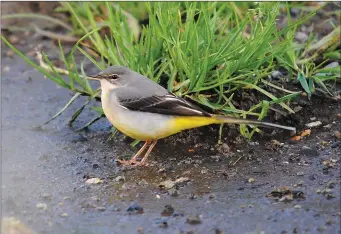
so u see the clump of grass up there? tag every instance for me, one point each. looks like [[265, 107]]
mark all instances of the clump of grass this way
[[205, 51]]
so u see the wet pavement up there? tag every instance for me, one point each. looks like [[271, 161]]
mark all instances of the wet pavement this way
[[44, 173]]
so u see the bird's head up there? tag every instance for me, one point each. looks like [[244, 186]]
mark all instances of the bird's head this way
[[113, 77]]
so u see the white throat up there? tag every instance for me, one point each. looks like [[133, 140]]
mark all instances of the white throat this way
[[106, 85]]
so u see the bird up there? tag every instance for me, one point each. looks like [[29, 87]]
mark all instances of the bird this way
[[144, 110]]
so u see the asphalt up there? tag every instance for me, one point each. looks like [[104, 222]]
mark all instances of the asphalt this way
[[44, 172]]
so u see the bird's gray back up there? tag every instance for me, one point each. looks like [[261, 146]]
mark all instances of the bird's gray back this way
[[135, 86]]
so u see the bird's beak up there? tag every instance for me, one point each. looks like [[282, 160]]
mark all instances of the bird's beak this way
[[94, 77]]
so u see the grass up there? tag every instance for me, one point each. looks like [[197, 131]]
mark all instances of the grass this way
[[207, 52]]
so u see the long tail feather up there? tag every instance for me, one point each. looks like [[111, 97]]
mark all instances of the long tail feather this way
[[232, 120]]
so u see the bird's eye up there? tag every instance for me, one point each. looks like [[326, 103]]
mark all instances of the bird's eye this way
[[114, 76]]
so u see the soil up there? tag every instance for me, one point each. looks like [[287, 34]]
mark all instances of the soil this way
[[268, 185]]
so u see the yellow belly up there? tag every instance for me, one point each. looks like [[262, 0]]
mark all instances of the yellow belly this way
[[147, 126], [141, 135], [172, 126]]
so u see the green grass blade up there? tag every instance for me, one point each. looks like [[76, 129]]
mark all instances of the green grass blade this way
[[58, 79], [64, 108], [90, 123], [303, 81], [265, 93]]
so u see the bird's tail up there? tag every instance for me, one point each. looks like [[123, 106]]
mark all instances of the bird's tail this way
[[232, 120]]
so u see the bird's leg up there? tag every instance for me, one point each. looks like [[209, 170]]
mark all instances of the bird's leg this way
[[144, 159], [140, 151], [134, 158]]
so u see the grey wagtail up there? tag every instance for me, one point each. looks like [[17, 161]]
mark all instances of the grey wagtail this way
[[144, 110]]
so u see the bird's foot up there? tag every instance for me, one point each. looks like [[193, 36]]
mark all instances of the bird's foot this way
[[131, 163]]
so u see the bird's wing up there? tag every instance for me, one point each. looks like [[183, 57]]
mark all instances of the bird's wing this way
[[167, 104]]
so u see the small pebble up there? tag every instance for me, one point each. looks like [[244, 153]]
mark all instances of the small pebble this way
[[324, 143], [135, 209], [297, 207], [64, 214], [251, 180], [336, 144], [297, 109], [95, 198], [329, 163], [162, 222], [328, 126], [42, 206], [329, 195], [47, 196], [192, 196], [301, 173], [94, 181], [307, 151], [100, 208], [173, 192], [167, 211], [314, 124], [276, 74], [300, 183], [224, 149], [253, 143], [286, 198], [193, 220], [331, 185], [119, 179], [168, 184], [337, 134], [161, 170], [204, 171]]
